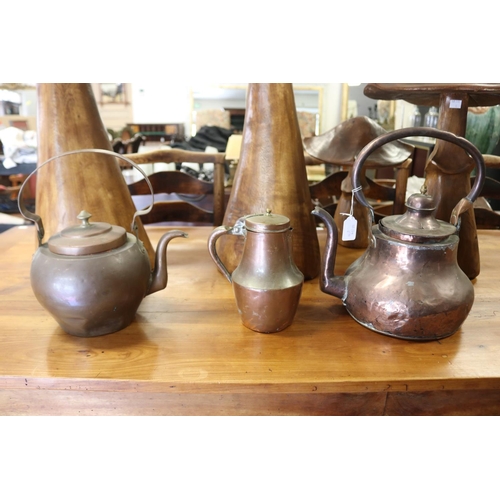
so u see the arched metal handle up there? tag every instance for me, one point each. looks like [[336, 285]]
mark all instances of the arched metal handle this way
[[37, 219], [463, 205]]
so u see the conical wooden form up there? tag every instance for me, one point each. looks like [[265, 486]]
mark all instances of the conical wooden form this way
[[68, 119], [271, 174]]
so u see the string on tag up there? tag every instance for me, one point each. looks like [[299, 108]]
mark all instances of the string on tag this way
[[350, 225], [351, 213]]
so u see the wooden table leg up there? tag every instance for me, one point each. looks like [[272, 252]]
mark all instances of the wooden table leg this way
[[447, 180]]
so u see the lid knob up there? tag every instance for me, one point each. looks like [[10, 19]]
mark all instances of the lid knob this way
[[87, 238], [84, 216], [418, 223], [419, 202]]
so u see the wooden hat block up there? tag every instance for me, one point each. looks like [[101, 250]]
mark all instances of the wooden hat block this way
[[341, 146], [271, 174], [68, 119]]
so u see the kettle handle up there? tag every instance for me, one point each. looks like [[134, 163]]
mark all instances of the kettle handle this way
[[38, 220], [463, 205], [237, 230]]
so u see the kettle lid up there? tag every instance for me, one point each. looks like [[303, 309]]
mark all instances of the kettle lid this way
[[87, 238], [267, 223], [418, 223]]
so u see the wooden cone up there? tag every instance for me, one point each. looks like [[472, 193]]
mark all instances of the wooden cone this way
[[68, 119], [271, 174]]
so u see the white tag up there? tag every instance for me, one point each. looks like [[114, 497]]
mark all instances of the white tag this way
[[349, 229], [456, 103]]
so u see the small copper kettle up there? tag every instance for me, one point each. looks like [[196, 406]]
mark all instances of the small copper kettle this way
[[92, 277], [267, 284], [408, 283]]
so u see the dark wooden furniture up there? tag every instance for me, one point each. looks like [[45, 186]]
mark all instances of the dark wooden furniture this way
[[10, 183], [131, 145], [187, 353], [195, 201], [159, 131], [237, 119], [449, 167], [328, 191], [486, 218]]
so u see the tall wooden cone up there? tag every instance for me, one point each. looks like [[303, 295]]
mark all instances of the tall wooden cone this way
[[271, 174], [68, 119]]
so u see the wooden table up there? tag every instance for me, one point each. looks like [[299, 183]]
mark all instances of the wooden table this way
[[187, 352]]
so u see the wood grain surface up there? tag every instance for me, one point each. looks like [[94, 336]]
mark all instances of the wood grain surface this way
[[272, 175], [69, 120], [187, 352]]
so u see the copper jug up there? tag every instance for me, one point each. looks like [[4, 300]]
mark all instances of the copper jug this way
[[272, 172], [92, 277], [408, 283], [267, 284]]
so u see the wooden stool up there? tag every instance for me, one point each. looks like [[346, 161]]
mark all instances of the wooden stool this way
[[449, 167], [15, 181], [340, 146]]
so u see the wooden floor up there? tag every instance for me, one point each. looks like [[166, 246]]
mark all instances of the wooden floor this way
[[188, 354]]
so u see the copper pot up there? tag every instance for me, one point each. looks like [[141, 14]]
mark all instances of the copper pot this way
[[267, 284], [92, 277], [408, 283]]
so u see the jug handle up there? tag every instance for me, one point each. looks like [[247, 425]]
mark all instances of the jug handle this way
[[463, 205], [237, 230], [38, 220]]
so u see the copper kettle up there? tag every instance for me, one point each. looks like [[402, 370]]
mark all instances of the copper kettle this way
[[408, 283], [92, 277], [267, 284]]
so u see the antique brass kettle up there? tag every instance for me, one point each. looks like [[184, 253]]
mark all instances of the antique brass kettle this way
[[408, 283], [92, 277]]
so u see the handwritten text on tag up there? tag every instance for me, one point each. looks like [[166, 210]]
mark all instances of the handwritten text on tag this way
[[349, 229]]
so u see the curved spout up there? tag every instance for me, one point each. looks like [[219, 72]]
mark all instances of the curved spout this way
[[160, 274], [329, 283]]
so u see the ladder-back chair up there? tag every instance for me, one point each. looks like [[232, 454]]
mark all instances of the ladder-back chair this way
[[193, 200]]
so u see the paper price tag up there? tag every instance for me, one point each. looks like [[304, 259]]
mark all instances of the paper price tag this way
[[456, 103], [349, 229]]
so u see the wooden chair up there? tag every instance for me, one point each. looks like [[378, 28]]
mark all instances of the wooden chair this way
[[486, 217], [193, 200], [327, 192]]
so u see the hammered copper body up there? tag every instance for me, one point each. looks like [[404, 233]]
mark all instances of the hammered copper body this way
[[448, 170], [408, 283], [267, 284]]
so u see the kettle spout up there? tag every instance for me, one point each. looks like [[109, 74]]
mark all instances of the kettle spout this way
[[160, 275], [329, 283]]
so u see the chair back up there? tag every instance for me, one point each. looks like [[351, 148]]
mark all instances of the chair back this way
[[181, 196]]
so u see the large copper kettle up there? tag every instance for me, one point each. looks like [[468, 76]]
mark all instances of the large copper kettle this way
[[92, 277], [408, 283]]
